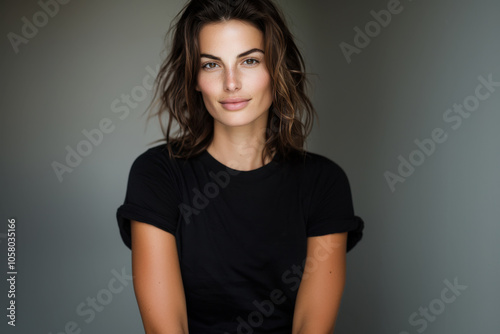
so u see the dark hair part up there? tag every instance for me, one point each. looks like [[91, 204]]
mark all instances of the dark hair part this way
[[291, 114]]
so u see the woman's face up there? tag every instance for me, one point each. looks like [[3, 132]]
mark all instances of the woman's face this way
[[233, 79]]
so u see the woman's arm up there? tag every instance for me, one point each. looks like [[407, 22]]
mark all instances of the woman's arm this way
[[157, 280], [322, 285]]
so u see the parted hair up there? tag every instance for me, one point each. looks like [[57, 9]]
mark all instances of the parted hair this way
[[291, 114]]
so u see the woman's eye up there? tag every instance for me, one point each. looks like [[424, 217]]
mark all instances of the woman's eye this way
[[209, 66], [251, 61]]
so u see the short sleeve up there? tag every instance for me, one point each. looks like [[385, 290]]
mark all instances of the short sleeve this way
[[151, 196], [331, 207]]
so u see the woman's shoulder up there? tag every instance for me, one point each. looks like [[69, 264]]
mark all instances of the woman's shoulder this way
[[161, 152], [315, 163], [155, 159]]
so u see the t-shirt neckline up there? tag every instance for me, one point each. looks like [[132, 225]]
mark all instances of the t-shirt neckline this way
[[260, 172]]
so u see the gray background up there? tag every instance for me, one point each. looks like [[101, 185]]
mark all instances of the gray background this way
[[440, 224]]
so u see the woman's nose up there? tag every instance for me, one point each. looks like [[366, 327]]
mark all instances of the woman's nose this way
[[232, 81]]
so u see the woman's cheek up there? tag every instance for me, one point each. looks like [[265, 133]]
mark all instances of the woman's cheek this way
[[261, 79], [207, 83]]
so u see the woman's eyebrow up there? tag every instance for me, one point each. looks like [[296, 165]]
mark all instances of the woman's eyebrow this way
[[246, 53]]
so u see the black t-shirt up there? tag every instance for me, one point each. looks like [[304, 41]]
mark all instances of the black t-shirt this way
[[241, 235]]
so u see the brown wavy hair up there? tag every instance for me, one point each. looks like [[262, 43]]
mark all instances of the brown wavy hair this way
[[291, 114]]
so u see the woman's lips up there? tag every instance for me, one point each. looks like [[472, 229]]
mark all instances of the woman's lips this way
[[234, 104]]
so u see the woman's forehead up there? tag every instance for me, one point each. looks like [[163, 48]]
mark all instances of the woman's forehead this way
[[233, 36]]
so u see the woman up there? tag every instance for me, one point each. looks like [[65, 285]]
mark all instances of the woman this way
[[233, 226]]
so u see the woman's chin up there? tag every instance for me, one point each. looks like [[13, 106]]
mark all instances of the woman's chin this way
[[237, 120]]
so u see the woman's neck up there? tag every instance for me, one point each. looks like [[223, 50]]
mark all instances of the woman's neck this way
[[239, 148]]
